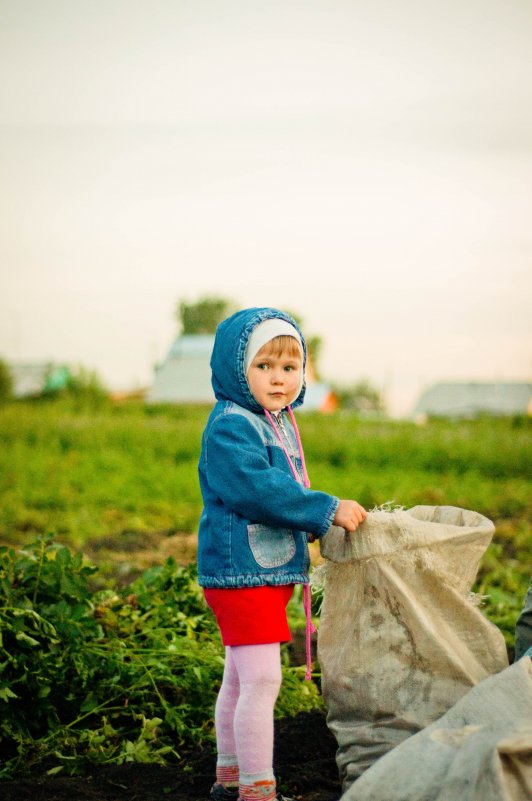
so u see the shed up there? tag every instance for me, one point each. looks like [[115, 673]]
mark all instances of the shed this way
[[470, 399], [38, 378], [319, 397]]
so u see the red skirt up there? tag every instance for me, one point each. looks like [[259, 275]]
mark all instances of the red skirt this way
[[251, 615]]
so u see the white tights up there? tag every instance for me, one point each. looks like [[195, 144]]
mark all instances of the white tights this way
[[244, 708]]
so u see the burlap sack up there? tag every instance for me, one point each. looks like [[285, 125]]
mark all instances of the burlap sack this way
[[480, 750], [400, 640]]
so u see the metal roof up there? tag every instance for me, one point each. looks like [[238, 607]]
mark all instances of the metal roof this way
[[192, 346]]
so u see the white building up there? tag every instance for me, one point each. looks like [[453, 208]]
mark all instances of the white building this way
[[470, 399], [185, 374]]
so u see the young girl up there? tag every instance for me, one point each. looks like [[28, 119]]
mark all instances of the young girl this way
[[252, 545]]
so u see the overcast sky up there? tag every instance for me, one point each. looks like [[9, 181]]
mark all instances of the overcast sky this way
[[367, 165]]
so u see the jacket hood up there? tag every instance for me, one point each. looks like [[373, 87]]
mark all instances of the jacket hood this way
[[228, 354]]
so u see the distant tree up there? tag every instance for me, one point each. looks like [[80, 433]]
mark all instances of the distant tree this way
[[313, 342], [81, 386], [203, 316], [361, 397], [86, 384], [6, 383]]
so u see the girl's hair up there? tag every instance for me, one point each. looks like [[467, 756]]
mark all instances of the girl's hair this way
[[282, 344]]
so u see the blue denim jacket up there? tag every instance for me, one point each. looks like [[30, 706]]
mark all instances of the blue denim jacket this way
[[254, 524]]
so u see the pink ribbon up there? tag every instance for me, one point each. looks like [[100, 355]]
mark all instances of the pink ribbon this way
[[309, 626]]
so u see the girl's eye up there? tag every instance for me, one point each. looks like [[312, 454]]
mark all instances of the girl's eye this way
[[262, 366]]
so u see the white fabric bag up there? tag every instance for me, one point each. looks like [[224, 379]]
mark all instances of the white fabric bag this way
[[400, 640], [480, 750]]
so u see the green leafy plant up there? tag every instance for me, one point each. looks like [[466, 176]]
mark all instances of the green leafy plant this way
[[6, 382], [98, 677]]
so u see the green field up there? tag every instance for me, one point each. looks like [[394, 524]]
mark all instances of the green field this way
[[94, 500], [122, 479]]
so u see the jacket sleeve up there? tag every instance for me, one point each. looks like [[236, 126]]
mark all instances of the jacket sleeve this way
[[239, 473]]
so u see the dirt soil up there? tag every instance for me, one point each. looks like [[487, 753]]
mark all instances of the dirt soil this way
[[304, 764]]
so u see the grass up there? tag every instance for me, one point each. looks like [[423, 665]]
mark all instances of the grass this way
[[87, 475]]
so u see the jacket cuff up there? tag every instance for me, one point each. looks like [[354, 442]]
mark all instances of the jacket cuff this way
[[329, 517]]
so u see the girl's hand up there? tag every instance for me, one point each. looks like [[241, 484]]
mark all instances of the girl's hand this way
[[349, 515]]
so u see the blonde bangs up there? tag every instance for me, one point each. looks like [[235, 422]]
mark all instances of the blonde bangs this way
[[282, 345]]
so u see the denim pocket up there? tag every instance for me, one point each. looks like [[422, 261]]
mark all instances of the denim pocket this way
[[271, 547]]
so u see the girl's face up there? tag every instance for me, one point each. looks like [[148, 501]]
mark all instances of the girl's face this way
[[275, 379]]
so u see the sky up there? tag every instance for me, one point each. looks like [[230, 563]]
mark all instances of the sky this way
[[365, 165]]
